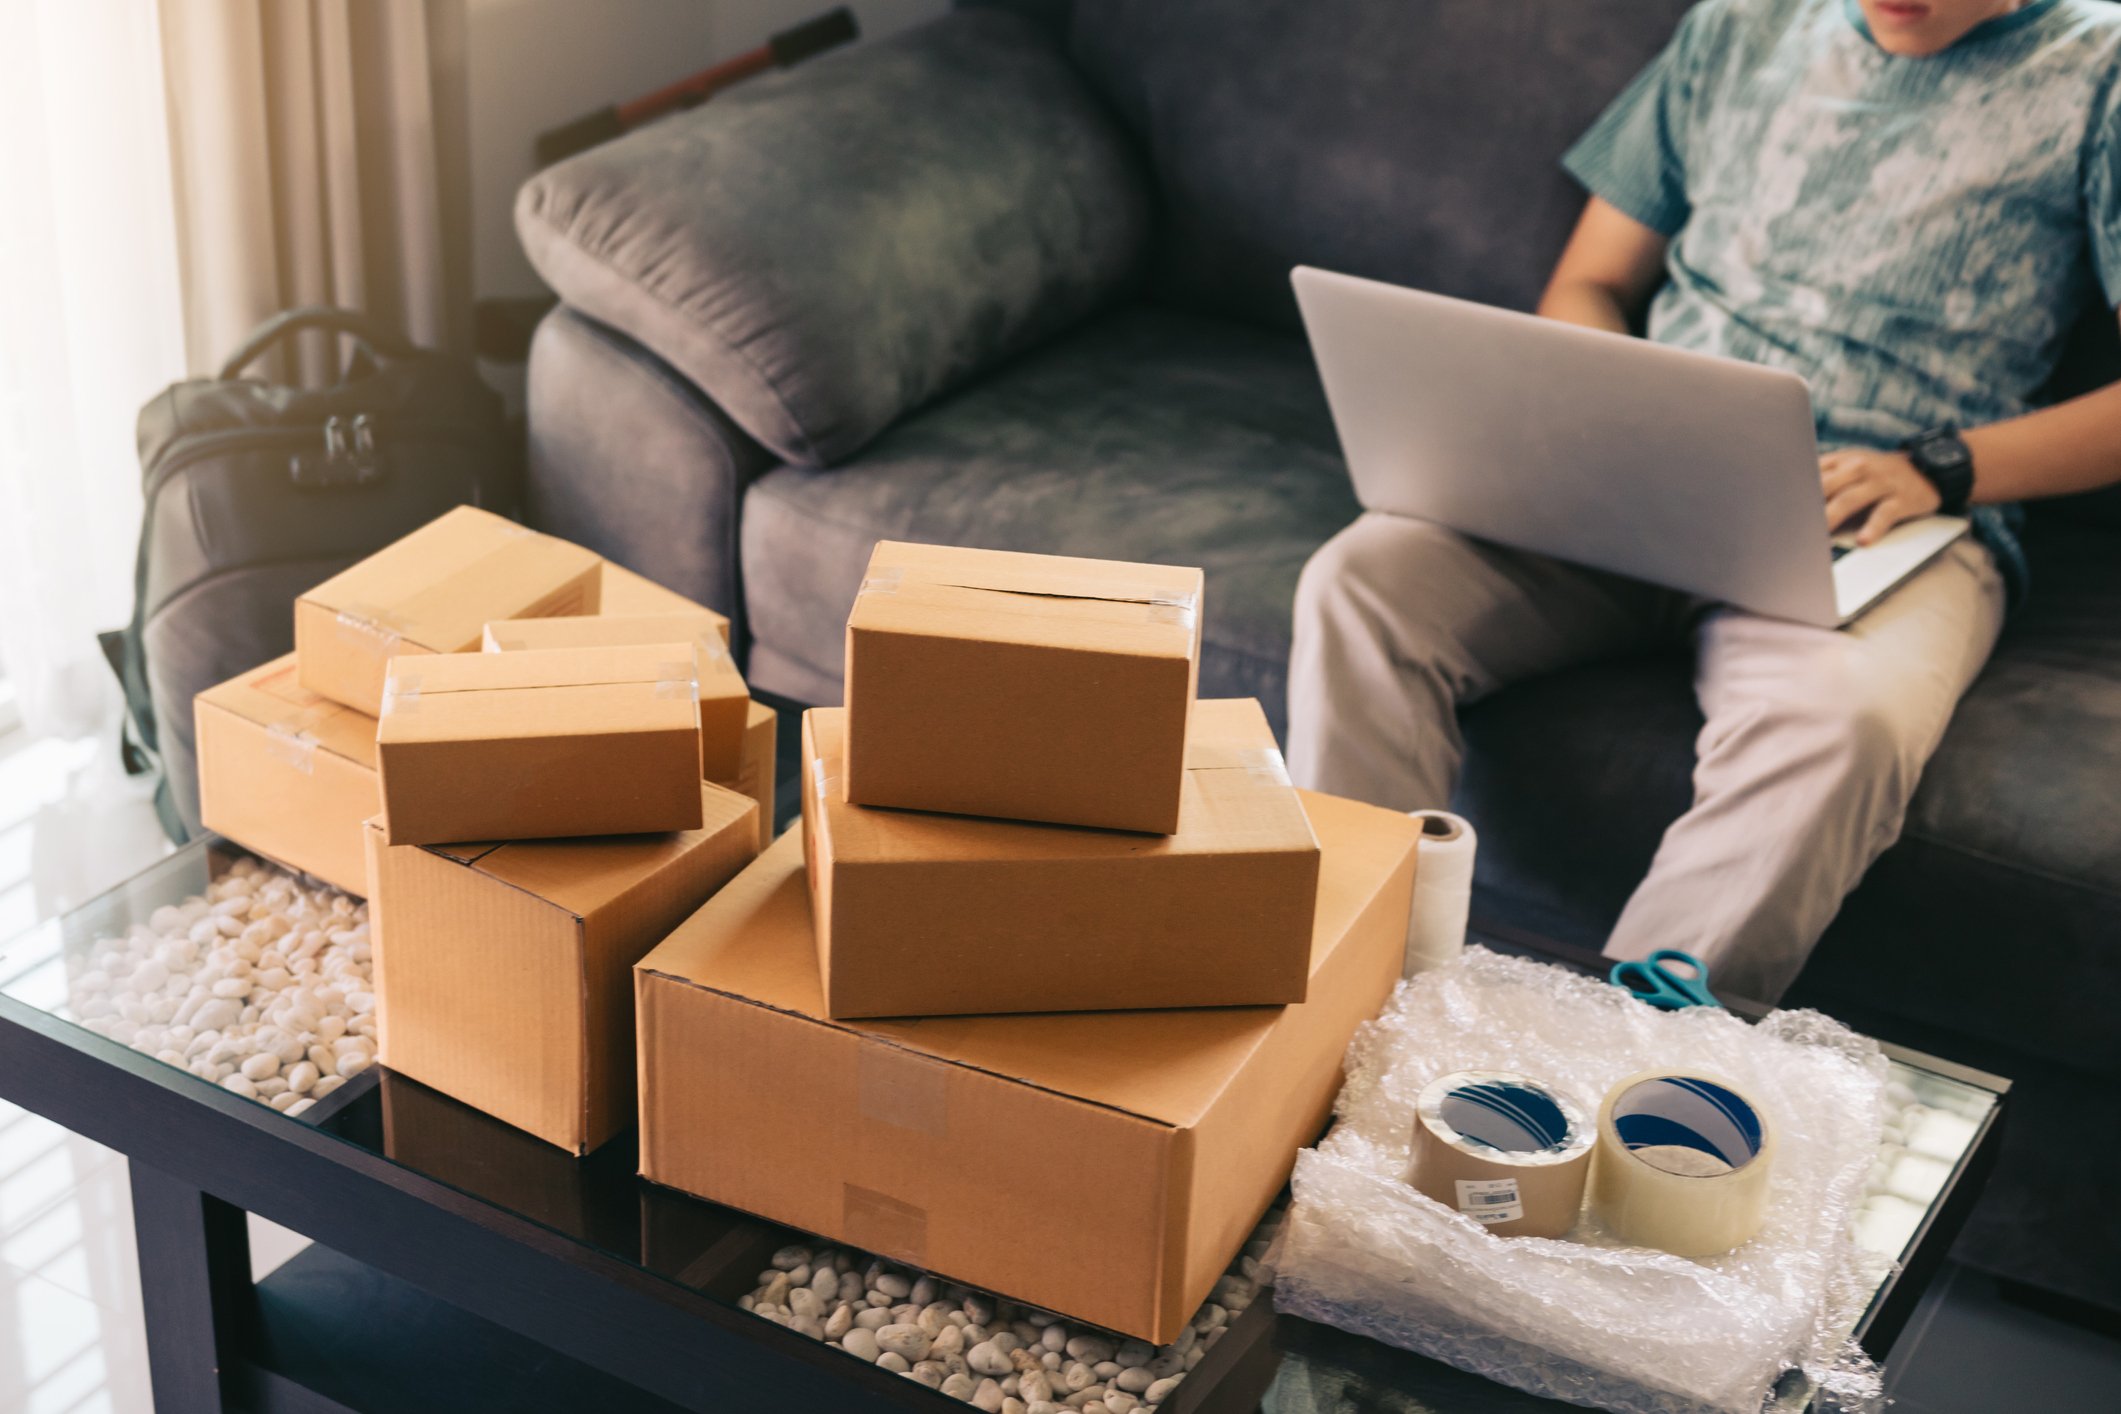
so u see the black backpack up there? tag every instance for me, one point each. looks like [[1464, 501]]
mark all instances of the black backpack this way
[[254, 492]]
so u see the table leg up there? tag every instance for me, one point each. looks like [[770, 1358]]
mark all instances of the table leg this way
[[195, 1288]]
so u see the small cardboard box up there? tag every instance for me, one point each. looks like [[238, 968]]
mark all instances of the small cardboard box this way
[[502, 970], [1025, 687], [434, 592], [725, 702], [535, 745], [287, 773], [756, 773], [925, 915], [625, 592], [1104, 1165]]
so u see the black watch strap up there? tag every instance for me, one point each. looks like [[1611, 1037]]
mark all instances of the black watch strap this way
[[1944, 459]]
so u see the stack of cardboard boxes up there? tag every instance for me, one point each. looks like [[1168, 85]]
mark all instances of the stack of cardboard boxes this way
[[602, 751], [1135, 952]]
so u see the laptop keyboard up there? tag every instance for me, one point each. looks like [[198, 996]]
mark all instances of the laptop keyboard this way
[[1842, 547]]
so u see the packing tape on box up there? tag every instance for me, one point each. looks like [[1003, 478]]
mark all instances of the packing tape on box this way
[[401, 694], [880, 1223], [1682, 1163], [1163, 606], [1262, 761], [1505, 1150], [819, 781], [292, 741], [903, 1090], [676, 679], [372, 627], [711, 648], [1443, 891]]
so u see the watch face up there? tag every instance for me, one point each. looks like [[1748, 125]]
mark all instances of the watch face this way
[[1945, 453]]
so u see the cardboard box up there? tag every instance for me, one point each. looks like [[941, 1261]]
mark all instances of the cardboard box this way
[[434, 592], [1028, 687], [922, 914], [536, 745], [757, 766], [725, 702], [287, 773], [503, 970], [1103, 1165], [625, 592]]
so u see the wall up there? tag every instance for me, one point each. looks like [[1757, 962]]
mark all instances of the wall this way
[[535, 64]]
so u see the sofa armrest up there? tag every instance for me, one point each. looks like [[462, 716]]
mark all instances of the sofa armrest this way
[[825, 249], [629, 459]]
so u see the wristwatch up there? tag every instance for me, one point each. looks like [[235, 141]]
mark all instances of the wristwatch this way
[[1944, 459]]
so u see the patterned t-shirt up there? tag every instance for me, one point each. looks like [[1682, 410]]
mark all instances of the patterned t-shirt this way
[[1913, 235]]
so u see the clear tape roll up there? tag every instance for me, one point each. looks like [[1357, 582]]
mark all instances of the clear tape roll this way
[[1443, 891], [1505, 1150], [1682, 1164]]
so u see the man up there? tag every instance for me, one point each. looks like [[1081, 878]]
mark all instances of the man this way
[[1908, 202]]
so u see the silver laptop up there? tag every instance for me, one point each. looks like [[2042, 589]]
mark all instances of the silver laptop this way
[[1687, 470]]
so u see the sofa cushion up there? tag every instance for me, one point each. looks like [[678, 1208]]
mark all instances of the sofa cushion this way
[[2005, 885], [1416, 141], [1147, 435], [824, 249]]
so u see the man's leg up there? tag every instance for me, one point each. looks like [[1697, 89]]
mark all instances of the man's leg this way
[[1813, 744], [1400, 622]]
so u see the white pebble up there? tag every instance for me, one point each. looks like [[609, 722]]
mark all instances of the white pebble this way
[[861, 1344]]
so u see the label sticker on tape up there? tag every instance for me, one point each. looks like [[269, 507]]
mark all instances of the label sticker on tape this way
[[1490, 1200]]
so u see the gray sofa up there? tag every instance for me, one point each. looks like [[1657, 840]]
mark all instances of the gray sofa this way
[[1020, 280]]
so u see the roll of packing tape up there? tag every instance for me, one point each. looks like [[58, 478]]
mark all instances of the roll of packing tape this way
[[1505, 1150], [1682, 1164], [1443, 891]]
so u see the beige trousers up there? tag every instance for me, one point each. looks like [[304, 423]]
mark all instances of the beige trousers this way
[[1813, 742]]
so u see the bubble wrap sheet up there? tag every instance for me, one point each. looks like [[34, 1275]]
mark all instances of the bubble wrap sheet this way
[[1586, 1319]]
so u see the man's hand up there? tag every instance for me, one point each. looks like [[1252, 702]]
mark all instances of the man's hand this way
[[1881, 488]]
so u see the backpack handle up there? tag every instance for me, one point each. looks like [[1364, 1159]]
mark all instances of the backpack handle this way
[[366, 336]]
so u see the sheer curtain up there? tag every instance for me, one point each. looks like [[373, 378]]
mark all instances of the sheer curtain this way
[[176, 171], [91, 326]]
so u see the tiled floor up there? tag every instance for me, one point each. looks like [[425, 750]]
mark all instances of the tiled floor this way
[[71, 1340]]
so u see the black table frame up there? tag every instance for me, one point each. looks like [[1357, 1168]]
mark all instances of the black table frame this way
[[201, 1158]]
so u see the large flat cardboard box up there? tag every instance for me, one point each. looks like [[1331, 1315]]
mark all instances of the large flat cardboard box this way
[[923, 914], [625, 592], [725, 702], [503, 970], [287, 773], [1107, 1166], [1028, 687], [757, 765], [540, 744], [434, 592]]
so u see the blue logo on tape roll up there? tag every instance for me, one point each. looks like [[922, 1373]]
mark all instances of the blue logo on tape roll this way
[[1678, 1111], [1505, 1115]]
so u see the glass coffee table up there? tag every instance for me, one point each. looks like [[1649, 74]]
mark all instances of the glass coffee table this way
[[463, 1265]]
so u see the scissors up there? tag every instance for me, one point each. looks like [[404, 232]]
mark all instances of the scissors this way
[[1659, 980]]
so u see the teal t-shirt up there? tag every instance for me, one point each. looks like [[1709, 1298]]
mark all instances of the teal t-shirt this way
[[1913, 236]]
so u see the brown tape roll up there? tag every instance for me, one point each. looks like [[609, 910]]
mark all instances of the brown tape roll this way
[[1505, 1150]]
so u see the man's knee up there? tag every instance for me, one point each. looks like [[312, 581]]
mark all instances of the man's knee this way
[[1369, 562], [1853, 722]]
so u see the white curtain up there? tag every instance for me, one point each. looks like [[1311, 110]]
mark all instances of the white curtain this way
[[320, 151], [90, 327], [174, 173]]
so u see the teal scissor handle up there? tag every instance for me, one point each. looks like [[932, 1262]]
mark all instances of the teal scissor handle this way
[[1657, 981]]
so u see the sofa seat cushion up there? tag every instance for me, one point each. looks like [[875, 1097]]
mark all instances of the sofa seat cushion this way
[[1147, 435], [2011, 855]]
